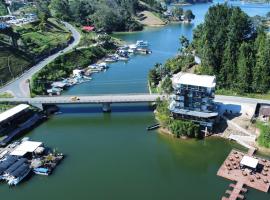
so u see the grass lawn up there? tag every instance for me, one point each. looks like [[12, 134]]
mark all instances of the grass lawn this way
[[6, 95], [35, 42], [38, 42], [4, 107], [87, 39], [18, 62]]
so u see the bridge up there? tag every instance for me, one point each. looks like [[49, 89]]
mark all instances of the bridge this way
[[105, 100]]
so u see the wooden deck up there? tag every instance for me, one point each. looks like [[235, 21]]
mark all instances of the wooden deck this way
[[231, 170]]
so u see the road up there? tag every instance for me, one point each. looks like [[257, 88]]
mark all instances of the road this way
[[97, 99], [20, 86], [235, 99], [122, 98]]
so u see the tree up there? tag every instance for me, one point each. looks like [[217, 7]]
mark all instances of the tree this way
[[268, 15], [154, 77], [184, 43], [244, 67], [261, 72], [60, 9], [43, 11], [166, 85], [81, 11], [178, 12], [189, 15]]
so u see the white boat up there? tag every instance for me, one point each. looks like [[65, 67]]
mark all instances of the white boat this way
[[141, 43], [123, 58], [110, 59], [103, 65]]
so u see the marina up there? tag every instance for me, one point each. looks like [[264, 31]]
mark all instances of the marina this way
[[20, 159], [123, 53]]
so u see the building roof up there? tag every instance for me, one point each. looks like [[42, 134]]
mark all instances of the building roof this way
[[13, 111], [194, 79], [265, 111], [88, 28], [26, 147], [249, 162]]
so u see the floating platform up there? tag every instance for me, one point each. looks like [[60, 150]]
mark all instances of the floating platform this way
[[231, 170]]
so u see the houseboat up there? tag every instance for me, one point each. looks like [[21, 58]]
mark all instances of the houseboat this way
[[141, 43]]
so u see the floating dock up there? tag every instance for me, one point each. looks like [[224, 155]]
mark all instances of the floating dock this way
[[231, 169]]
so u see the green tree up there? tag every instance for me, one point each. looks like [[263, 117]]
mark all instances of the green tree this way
[[189, 15], [245, 65], [177, 12], [43, 11], [81, 11], [261, 71], [154, 77], [60, 9], [166, 85]]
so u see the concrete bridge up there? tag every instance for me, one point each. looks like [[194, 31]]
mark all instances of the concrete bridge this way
[[105, 100]]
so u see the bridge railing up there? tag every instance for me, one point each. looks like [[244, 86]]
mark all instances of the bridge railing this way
[[101, 94]]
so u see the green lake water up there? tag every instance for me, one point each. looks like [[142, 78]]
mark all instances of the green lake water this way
[[112, 156]]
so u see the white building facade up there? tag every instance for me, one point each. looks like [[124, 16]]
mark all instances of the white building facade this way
[[193, 98]]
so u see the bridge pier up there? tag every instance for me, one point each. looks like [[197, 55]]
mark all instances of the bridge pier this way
[[37, 105], [106, 107]]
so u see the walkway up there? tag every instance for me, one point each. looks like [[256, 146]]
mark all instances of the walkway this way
[[20, 86], [236, 192]]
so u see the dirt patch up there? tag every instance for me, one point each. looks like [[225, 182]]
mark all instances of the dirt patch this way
[[149, 19]]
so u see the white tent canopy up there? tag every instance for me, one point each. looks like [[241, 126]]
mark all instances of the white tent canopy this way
[[249, 162], [26, 147]]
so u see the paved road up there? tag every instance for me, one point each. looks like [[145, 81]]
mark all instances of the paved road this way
[[20, 86], [122, 98], [97, 99], [222, 98]]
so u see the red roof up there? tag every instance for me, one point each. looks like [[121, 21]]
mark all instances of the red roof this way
[[88, 28]]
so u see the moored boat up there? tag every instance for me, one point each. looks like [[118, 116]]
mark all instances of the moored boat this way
[[141, 43], [42, 171]]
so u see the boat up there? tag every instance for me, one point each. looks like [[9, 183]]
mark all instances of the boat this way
[[144, 51], [42, 171], [132, 48], [155, 126], [122, 58], [103, 65], [110, 59], [141, 43], [18, 175]]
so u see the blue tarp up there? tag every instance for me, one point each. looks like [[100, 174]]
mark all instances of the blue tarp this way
[[41, 170]]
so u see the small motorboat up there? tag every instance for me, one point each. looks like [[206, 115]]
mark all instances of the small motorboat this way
[[42, 171]]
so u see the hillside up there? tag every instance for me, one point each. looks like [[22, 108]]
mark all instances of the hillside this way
[[3, 9], [34, 41], [12, 63]]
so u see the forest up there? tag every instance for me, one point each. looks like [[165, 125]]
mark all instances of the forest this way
[[106, 15], [235, 49]]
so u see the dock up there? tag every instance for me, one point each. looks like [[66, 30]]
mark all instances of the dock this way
[[231, 169]]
